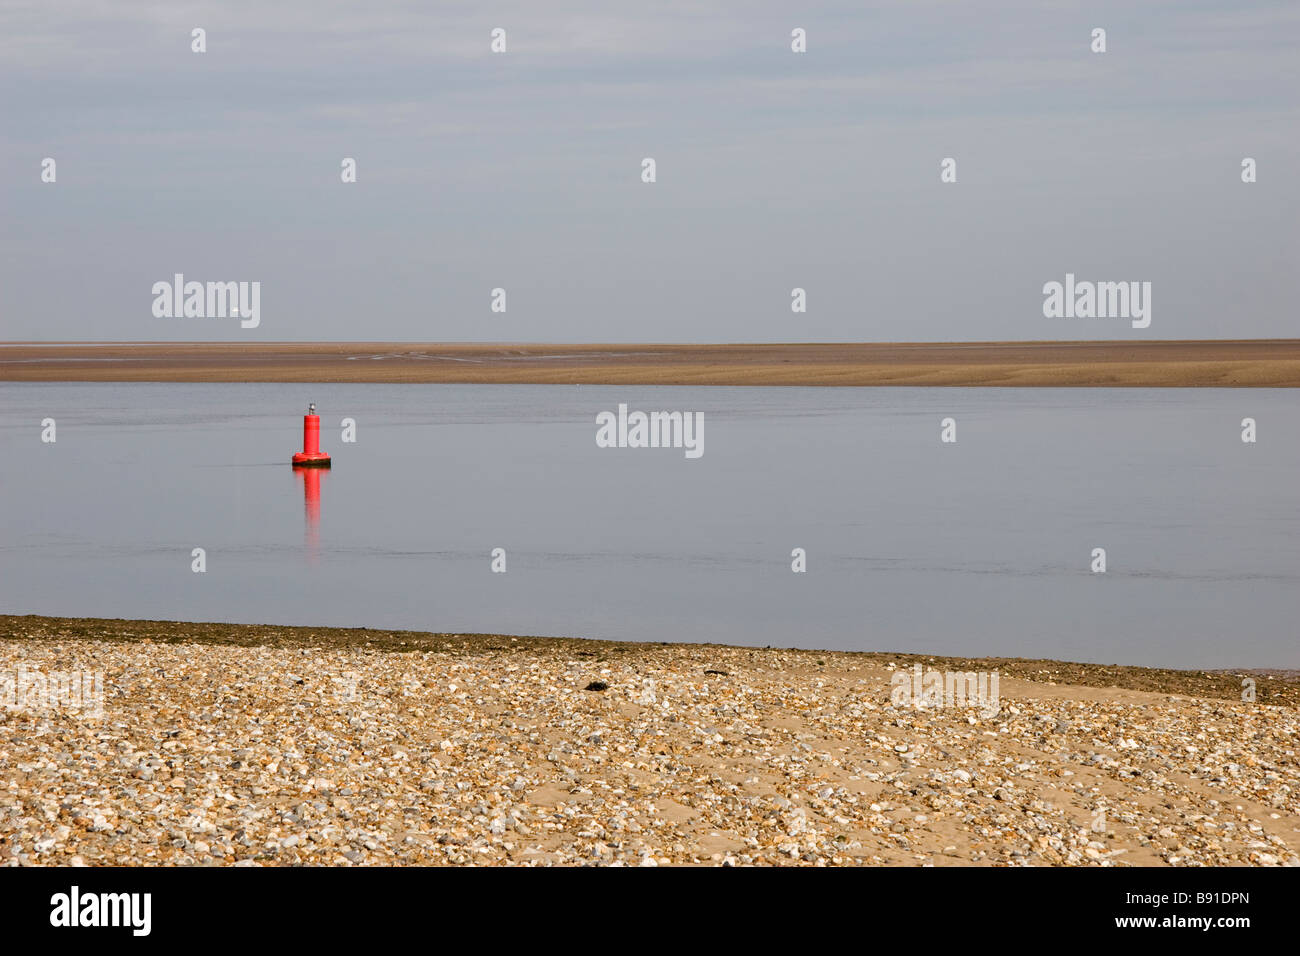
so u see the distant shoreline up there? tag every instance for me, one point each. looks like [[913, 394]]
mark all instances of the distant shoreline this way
[[1241, 363]]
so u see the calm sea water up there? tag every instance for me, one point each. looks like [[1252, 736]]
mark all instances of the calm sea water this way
[[982, 547]]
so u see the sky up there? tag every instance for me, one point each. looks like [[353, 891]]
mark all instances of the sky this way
[[522, 170]]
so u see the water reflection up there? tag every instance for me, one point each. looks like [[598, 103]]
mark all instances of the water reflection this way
[[311, 482]]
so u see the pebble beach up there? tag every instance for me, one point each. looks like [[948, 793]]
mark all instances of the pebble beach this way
[[260, 746]]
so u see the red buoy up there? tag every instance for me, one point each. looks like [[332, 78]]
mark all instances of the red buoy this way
[[311, 456]]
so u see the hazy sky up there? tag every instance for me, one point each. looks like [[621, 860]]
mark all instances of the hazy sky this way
[[522, 170]]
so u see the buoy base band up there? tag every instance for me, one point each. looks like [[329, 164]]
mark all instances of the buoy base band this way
[[311, 460]]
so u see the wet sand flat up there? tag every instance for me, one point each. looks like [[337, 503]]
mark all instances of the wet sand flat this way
[[1265, 363]]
